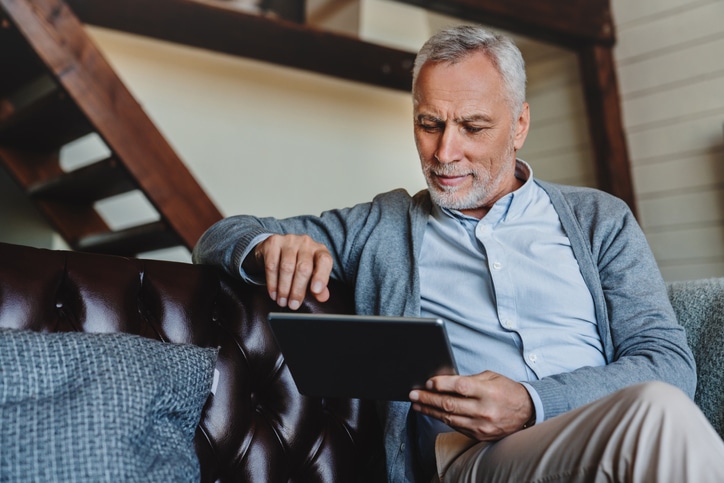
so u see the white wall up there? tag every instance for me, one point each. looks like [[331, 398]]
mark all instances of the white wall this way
[[20, 223], [268, 140], [670, 57]]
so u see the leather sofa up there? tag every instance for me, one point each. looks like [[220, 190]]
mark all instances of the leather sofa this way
[[256, 427]]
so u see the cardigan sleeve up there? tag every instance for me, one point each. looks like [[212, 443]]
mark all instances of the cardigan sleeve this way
[[641, 336], [353, 235]]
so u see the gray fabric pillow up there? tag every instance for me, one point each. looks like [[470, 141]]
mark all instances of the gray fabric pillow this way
[[100, 407], [699, 306]]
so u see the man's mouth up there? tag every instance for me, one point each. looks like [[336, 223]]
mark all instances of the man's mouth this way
[[450, 181]]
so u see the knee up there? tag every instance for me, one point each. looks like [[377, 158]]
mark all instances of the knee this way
[[657, 394], [656, 390]]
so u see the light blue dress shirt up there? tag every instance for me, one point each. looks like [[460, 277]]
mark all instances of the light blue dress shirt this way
[[510, 291]]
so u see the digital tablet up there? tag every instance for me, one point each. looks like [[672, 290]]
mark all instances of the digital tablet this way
[[364, 357]]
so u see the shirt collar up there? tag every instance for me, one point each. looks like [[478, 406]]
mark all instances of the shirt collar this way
[[510, 206]]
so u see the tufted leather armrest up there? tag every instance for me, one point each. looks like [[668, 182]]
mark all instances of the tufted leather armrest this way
[[256, 427]]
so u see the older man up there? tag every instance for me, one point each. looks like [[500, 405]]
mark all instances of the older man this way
[[573, 367]]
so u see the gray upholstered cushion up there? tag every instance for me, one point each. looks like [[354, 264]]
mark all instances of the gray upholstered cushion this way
[[699, 305], [100, 407]]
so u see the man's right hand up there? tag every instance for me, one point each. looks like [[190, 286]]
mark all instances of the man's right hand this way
[[292, 265]]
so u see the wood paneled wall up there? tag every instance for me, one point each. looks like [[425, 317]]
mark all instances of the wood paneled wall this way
[[558, 145], [670, 57]]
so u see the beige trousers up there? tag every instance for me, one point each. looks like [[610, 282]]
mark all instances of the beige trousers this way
[[650, 432]]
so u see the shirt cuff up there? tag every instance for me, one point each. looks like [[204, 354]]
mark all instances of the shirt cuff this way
[[245, 276], [537, 403]]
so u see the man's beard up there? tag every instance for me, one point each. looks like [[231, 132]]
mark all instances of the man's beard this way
[[481, 191]]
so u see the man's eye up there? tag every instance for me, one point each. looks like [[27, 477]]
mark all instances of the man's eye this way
[[473, 129], [430, 127]]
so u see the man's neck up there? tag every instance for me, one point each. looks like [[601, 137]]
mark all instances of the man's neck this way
[[522, 174]]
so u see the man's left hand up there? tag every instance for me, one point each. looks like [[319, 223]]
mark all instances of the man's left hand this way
[[485, 406]]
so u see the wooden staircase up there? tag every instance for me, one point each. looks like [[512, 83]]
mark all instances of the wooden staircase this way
[[56, 88]]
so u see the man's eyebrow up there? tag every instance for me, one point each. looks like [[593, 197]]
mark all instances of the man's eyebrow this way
[[460, 120], [474, 118], [427, 117]]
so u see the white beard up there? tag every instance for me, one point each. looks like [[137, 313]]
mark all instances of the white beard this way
[[485, 185]]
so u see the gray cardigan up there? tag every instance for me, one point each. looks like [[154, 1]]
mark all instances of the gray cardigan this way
[[375, 247]]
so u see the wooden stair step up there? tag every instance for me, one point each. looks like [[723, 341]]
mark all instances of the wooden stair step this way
[[72, 220], [20, 62], [24, 95], [131, 241], [30, 167], [88, 184], [40, 116]]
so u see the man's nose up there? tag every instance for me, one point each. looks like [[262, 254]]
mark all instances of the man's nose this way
[[448, 147]]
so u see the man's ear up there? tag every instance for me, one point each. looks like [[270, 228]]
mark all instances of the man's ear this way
[[522, 125]]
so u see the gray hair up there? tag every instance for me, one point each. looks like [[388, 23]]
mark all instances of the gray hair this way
[[456, 43]]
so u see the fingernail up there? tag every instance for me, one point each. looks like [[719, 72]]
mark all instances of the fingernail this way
[[294, 304], [414, 396], [282, 302], [273, 295], [317, 287]]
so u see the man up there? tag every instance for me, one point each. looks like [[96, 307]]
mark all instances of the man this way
[[556, 309]]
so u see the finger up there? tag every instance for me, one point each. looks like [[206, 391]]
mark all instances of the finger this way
[[285, 274], [302, 276], [451, 384], [323, 296], [447, 403], [314, 265], [294, 264], [320, 277], [462, 418], [268, 254], [442, 402], [451, 418]]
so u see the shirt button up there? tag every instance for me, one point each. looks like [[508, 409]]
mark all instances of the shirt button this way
[[497, 266], [532, 358], [508, 324], [402, 447]]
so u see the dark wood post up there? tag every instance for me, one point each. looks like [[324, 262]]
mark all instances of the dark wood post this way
[[605, 120]]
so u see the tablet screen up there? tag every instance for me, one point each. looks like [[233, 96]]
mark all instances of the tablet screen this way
[[365, 357]]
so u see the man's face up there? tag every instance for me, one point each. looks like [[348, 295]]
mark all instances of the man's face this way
[[466, 134]]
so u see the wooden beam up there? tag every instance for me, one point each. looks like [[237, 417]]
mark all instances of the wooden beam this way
[[567, 23], [600, 86], [251, 36]]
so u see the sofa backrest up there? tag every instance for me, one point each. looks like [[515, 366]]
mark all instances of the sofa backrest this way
[[256, 426], [699, 306]]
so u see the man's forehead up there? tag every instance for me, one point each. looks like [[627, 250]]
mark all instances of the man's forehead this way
[[461, 108], [476, 83]]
